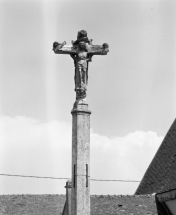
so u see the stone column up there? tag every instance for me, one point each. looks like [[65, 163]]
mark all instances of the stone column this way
[[68, 197], [80, 200], [67, 206]]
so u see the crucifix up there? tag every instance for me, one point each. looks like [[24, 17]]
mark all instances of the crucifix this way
[[82, 51]]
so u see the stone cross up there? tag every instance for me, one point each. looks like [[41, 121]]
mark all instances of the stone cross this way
[[81, 51]]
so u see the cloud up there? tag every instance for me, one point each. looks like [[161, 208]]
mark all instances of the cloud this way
[[125, 158], [31, 147]]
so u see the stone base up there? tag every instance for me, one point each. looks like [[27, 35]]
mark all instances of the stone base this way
[[80, 102], [80, 106]]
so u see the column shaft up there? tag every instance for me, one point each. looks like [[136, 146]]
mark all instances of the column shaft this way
[[80, 202]]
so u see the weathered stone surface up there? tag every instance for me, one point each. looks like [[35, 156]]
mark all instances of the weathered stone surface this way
[[92, 49], [81, 51], [80, 202]]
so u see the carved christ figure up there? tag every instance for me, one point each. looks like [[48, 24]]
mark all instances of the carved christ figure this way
[[81, 51], [81, 60]]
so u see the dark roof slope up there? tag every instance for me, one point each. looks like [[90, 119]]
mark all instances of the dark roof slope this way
[[161, 173], [53, 205]]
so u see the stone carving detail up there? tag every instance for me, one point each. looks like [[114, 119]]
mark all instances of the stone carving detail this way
[[81, 51], [82, 37]]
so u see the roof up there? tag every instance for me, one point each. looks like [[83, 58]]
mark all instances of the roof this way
[[123, 204], [161, 173], [53, 204]]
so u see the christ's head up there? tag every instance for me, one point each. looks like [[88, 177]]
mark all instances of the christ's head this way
[[82, 46]]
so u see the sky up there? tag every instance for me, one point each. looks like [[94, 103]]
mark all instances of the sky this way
[[131, 90]]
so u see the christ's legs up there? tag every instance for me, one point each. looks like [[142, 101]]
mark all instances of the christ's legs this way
[[80, 75], [84, 76]]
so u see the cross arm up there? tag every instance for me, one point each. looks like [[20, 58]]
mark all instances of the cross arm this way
[[63, 48], [98, 49]]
